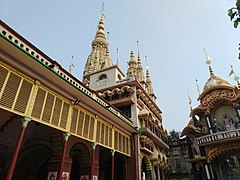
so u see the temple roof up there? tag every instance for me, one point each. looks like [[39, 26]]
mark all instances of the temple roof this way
[[215, 81]]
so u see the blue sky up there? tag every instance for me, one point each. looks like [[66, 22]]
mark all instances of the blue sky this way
[[172, 33]]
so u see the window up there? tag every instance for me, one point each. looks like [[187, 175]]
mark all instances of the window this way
[[102, 76], [119, 77], [126, 110]]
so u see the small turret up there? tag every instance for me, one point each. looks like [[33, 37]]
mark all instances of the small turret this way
[[132, 63], [140, 74], [149, 82]]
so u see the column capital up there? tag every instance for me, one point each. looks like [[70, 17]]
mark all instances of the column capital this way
[[94, 144], [25, 121], [66, 136], [37, 82], [113, 152]]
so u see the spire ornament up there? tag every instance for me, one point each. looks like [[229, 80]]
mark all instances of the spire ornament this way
[[208, 62], [117, 57], [149, 81], [140, 74], [70, 68], [132, 63], [99, 57]]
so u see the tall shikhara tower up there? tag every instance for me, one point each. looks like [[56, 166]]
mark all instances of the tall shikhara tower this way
[[99, 57], [132, 95]]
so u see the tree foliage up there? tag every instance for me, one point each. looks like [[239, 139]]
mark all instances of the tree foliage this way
[[234, 14], [174, 134]]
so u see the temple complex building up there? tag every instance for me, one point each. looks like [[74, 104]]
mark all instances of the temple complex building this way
[[133, 95], [177, 155], [54, 126], [213, 132]]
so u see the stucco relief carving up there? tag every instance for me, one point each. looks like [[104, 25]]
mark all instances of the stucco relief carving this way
[[218, 150], [209, 99]]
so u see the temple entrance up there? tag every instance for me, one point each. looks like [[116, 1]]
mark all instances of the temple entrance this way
[[226, 163], [80, 161], [120, 167], [35, 152], [230, 168], [105, 161], [146, 169], [32, 163]]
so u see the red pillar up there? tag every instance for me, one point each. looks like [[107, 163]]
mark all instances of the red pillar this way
[[25, 121], [113, 151], [65, 136], [92, 162]]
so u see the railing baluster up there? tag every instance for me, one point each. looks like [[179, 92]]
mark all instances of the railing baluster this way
[[218, 136]]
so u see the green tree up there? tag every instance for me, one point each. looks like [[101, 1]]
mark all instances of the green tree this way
[[174, 134], [234, 14]]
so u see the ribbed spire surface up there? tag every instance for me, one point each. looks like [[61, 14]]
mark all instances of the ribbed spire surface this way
[[132, 63], [140, 74], [99, 57], [149, 82]]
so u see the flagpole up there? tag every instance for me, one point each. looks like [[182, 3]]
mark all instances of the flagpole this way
[[189, 101], [198, 89]]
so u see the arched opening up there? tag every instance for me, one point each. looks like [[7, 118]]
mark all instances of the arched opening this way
[[80, 161], [105, 161], [120, 167], [146, 168], [224, 118], [32, 163]]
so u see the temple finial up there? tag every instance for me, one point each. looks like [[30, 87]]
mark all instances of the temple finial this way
[[211, 72], [117, 56], [138, 49], [102, 7], [189, 101], [148, 81], [70, 68], [208, 62], [198, 89], [146, 61], [208, 58], [108, 35]]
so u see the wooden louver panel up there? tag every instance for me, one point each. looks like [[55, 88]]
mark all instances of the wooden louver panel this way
[[23, 96], [121, 142], [86, 125], [19, 93], [91, 130], [3, 76], [74, 120], [14, 91], [98, 131], [64, 115], [38, 105], [10, 91], [110, 137], [57, 111], [80, 123], [48, 108]]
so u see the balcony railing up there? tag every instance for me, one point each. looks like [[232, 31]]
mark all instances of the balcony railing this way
[[218, 136]]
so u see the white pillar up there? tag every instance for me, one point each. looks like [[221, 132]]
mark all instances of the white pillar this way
[[158, 173]]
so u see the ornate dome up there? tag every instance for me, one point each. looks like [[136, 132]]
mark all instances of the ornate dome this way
[[215, 81]]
